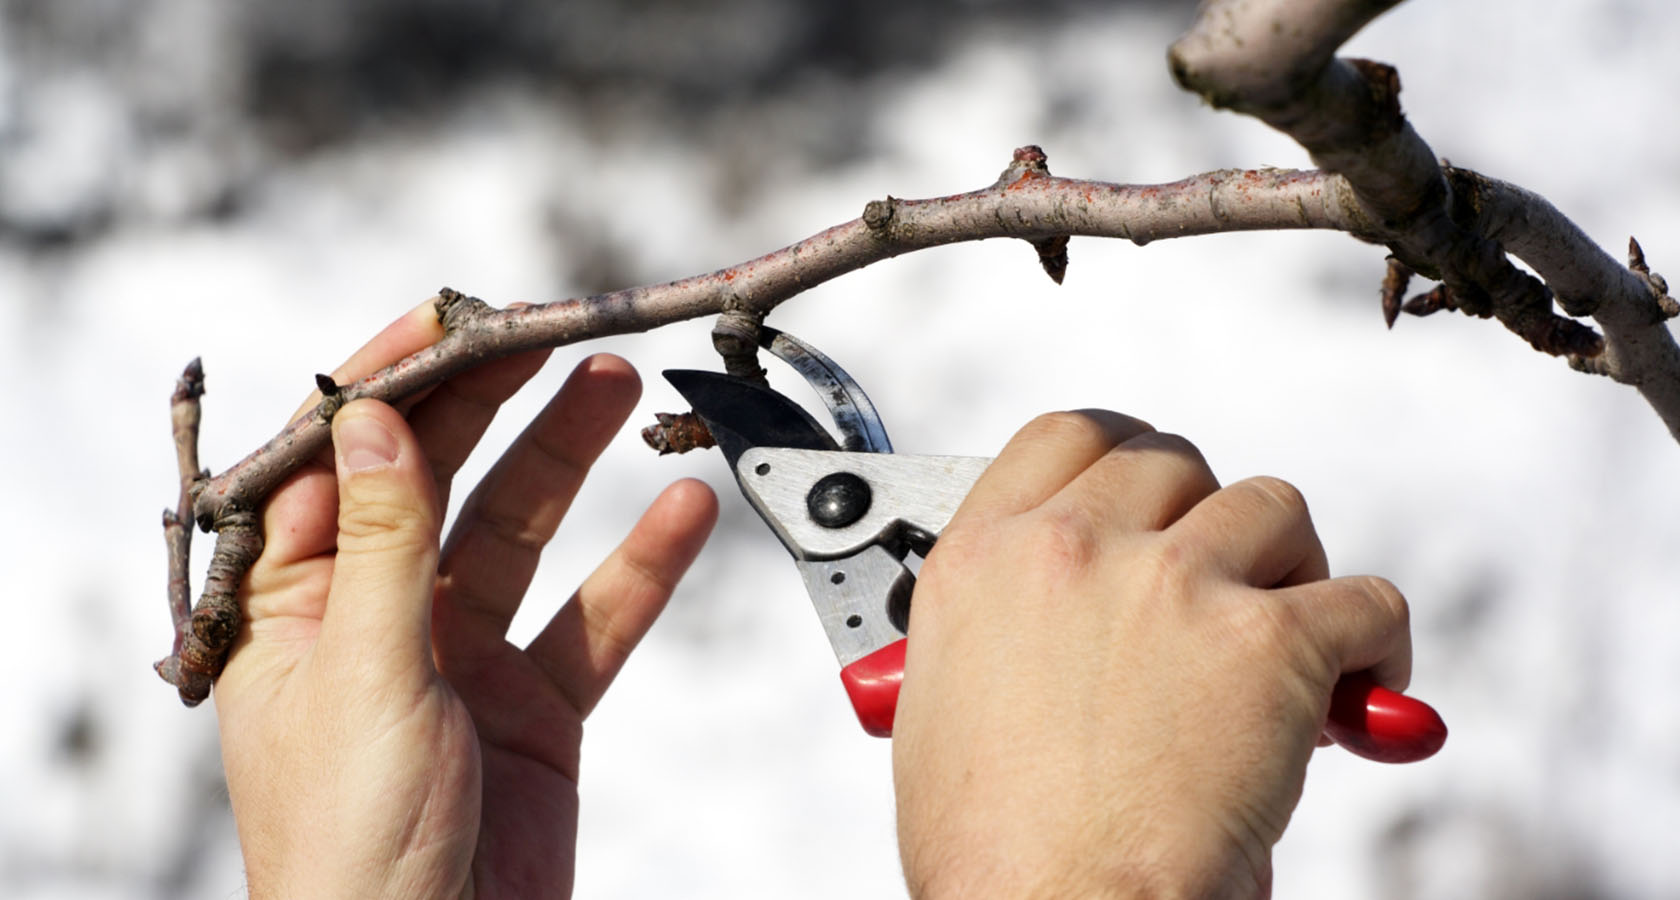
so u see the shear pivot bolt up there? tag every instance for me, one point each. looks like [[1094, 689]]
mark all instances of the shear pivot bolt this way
[[838, 500]]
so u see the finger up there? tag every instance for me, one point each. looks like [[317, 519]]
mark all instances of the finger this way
[[450, 421], [1145, 483], [493, 549], [379, 603], [585, 645], [1355, 623], [418, 329], [300, 517], [1258, 532], [1044, 456]]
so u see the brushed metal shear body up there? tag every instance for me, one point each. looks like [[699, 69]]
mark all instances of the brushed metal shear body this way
[[850, 511]]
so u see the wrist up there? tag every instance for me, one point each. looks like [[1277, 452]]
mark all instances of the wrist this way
[[1172, 870], [1125, 883]]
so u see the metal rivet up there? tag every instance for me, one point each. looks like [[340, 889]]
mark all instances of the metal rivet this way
[[838, 500]]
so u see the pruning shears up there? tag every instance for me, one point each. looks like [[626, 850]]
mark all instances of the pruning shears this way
[[851, 511]]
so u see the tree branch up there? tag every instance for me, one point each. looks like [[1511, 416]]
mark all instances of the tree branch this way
[[1273, 59], [1033, 206], [184, 416], [1025, 202]]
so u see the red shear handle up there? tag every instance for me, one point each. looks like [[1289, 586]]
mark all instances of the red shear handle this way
[[1365, 718], [872, 683], [1377, 723]]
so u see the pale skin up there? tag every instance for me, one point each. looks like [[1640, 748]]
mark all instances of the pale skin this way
[[1116, 675], [381, 736], [1118, 671]]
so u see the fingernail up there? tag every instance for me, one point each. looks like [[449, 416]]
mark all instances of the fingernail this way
[[364, 444]]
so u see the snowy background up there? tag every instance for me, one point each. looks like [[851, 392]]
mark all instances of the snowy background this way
[[268, 183]]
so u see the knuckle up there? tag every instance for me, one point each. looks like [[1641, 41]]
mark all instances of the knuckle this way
[[1167, 442], [1176, 455], [959, 544], [1083, 428], [379, 522], [1165, 570], [1262, 632], [1382, 593], [1277, 491], [958, 552], [1273, 626], [1045, 551], [1063, 427], [513, 531], [1065, 541]]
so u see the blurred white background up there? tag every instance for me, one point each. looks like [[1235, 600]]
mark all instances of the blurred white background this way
[[267, 184]]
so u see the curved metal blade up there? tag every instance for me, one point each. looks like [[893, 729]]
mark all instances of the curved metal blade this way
[[742, 415], [854, 415]]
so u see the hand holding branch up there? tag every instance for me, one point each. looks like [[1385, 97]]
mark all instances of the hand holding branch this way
[[381, 736]]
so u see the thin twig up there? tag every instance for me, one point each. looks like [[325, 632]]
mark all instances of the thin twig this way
[[184, 417], [678, 433], [1032, 207], [216, 618]]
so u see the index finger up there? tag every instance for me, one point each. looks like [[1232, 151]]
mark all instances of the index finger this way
[[300, 519], [418, 329]]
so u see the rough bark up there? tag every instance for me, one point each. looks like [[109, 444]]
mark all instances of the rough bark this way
[[1275, 60], [184, 416]]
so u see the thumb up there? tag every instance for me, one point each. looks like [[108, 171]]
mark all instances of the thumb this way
[[379, 604]]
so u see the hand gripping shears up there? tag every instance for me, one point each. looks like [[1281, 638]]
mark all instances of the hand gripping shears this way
[[851, 511]]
